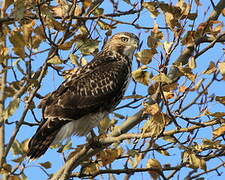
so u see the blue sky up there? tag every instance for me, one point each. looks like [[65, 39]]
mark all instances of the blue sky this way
[[52, 80]]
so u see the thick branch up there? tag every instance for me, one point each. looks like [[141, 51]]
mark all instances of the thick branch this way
[[119, 171]]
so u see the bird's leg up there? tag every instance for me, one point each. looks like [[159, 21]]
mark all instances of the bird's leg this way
[[93, 140]]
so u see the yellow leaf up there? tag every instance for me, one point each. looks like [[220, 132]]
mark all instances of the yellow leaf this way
[[141, 76], [27, 30], [155, 37], [83, 61], [36, 41], [169, 139], [17, 39], [52, 23], [221, 66], [105, 26], [20, 52], [183, 88], [145, 56], [66, 45], [11, 108], [170, 20], [162, 78], [90, 168], [150, 6], [19, 9], [66, 74], [185, 71], [198, 84], [46, 165], [62, 10], [14, 178], [3, 53], [192, 63], [170, 87], [152, 109], [98, 11], [168, 95], [24, 145], [219, 131], [74, 59], [55, 60], [137, 158], [104, 124], [156, 124], [210, 69], [161, 150], [155, 164], [221, 99], [167, 46], [6, 169], [87, 46], [107, 156], [196, 162], [209, 144]]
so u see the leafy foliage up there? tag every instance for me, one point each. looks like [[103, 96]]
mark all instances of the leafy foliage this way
[[175, 95]]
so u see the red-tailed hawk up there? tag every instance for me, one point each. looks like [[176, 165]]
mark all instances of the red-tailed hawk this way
[[87, 96]]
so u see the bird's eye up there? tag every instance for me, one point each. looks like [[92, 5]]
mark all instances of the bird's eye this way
[[124, 39]]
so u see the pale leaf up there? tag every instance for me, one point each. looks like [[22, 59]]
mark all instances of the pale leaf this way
[[219, 131], [155, 164], [145, 56], [222, 67]]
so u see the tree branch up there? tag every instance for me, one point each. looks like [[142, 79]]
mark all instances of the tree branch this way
[[188, 51]]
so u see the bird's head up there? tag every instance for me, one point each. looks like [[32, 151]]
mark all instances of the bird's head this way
[[124, 43]]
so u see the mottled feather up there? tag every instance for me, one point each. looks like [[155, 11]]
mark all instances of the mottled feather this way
[[87, 96]]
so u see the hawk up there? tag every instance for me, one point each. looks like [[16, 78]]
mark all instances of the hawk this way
[[87, 96]]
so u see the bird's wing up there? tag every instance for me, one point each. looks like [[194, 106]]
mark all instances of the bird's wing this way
[[97, 89], [89, 92]]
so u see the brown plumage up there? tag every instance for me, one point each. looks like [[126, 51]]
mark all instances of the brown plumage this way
[[91, 93]]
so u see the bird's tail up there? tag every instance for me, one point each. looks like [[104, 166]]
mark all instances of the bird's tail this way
[[43, 137]]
